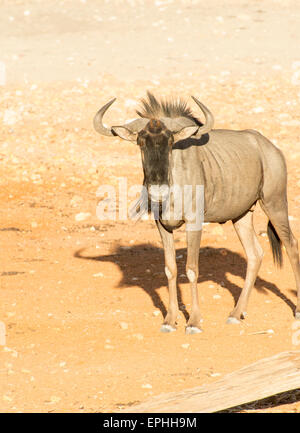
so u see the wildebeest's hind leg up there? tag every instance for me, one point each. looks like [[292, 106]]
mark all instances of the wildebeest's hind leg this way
[[254, 253], [169, 324], [192, 271], [277, 211]]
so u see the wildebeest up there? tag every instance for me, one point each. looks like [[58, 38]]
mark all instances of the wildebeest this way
[[236, 168]]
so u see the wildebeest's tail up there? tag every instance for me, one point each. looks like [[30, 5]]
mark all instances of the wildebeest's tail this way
[[275, 243]]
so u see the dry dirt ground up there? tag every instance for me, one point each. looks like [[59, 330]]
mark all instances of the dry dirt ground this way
[[82, 300]]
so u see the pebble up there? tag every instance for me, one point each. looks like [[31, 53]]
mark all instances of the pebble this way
[[55, 399], [138, 336], [108, 346], [82, 216], [258, 110], [10, 117], [7, 398], [75, 200], [185, 345], [124, 325], [268, 331]]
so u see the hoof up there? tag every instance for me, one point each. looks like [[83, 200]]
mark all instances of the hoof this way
[[297, 315], [167, 328], [193, 330], [233, 320]]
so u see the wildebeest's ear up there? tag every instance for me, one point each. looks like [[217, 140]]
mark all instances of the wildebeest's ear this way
[[124, 133], [185, 133]]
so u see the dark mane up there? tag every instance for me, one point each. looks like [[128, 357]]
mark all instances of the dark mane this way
[[154, 108]]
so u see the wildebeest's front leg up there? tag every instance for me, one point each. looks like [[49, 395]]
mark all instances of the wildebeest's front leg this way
[[193, 245], [169, 324]]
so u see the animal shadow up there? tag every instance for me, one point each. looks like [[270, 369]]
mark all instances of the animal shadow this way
[[143, 265]]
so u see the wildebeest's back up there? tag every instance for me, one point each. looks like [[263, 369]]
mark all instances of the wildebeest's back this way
[[228, 164]]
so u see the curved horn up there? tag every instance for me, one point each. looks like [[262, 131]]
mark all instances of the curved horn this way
[[130, 129], [178, 123], [98, 125], [208, 117], [136, 125]]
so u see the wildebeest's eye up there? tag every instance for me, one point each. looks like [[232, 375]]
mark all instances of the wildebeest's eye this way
[[141, 140]]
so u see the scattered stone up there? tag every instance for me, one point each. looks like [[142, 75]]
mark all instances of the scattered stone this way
[[185, 345], [124, 325], [258, 110], [138, 336], [82, 216], [108, 347], [54, 399], [268, 331], [7, 398], [75, 200]]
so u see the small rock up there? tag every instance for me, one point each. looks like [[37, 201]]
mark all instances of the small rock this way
[[185, 346], [10, 117], [98, 275], [123, 325], [108, 346], [55, 399], [147, 386], [7, 398], [258, 110], [138, 336], [75, 200], [268, 331], [82, 216]]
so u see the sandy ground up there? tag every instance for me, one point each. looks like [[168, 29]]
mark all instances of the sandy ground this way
[[82, 300]]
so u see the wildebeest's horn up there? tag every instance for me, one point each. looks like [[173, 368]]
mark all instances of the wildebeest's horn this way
[[177, 123], [208, 117], [135, 126], [98, 125]]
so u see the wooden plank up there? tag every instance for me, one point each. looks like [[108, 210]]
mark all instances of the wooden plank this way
[[264, 378]]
